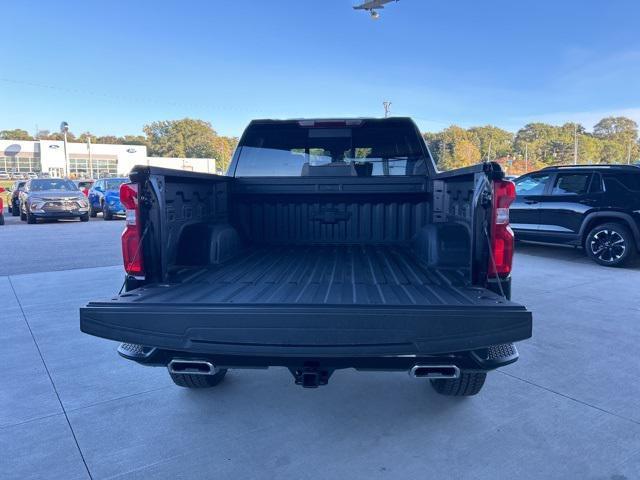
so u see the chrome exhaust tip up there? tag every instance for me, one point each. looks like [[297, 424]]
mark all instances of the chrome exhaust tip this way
[[192, 367], [435, 371]]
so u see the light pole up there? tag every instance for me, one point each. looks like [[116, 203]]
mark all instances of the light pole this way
[[575, 143], [387, 108], [90, 159], [64, 128]]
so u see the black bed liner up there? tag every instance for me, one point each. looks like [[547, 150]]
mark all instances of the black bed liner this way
[[318, 275], [312, 300]]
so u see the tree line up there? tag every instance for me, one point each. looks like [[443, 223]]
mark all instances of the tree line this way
[[534, 146], [537, 145], [185, 138]]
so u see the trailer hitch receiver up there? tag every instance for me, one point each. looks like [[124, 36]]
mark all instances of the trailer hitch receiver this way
[[311, 377]]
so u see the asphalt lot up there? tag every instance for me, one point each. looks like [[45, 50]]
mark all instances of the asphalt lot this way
[[58, 245], [71, 408]]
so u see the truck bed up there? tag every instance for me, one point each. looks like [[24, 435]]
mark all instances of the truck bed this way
[[320, 300], [320, 275]]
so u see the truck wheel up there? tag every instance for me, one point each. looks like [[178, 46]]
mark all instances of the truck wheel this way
[[611, 245], [92, 212], [23, 216], [106, 213], [188, 380], [84, 218], [468, 384], [15, 210], [30, 218]]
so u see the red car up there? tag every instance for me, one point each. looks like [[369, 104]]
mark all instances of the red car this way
[[85, 186], [1, 208]]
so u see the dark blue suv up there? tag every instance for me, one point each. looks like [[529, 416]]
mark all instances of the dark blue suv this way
[[104, 197]]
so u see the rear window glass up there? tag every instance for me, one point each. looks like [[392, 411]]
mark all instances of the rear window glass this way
[[114, 183], [631, 181], [360, 149]]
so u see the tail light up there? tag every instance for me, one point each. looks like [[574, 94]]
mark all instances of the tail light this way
[[131, 237], [504, 193]]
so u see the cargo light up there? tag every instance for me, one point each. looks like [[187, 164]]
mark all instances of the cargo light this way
[[504, 193], [356, 122], [131, 237]]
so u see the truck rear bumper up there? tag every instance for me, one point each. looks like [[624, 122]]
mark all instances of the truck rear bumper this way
[[307, 332], [476, 360]]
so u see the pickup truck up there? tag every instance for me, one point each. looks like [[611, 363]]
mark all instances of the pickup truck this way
[[329, 244]]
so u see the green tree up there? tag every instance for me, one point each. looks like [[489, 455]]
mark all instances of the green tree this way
[[17, 134], [189, 138], [224, 147], [83, 137], [616, 128], [108, 139], [452, 148], [435, 144], [181, 138], [465, 153], [589, 149], [492, 142], [58, 136], [134, 140], [619, 136]]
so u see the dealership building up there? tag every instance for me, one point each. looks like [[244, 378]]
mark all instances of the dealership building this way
[[86, 160]]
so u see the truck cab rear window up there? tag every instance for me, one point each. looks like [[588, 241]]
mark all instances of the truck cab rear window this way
[[295, 149]]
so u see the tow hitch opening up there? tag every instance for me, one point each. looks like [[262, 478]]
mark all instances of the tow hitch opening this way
[[311, 377]]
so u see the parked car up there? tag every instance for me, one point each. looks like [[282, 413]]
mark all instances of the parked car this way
[[1, 207], [333, 244], [32, 175], [104, 197], [14, 198], [592, 206], [4, 175], [85, 186], [52, 198]]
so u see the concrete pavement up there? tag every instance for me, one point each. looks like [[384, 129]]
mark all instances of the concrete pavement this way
[[570, 408]]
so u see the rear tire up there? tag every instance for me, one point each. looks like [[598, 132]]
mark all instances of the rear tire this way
[[611, 245], [15, 210], [23, 216], [31, 219], [466, 385], [187, 380], [106, 213], [92, 212], [84, 218]]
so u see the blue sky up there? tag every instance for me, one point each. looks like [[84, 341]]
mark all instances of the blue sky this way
[[111, 66]]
